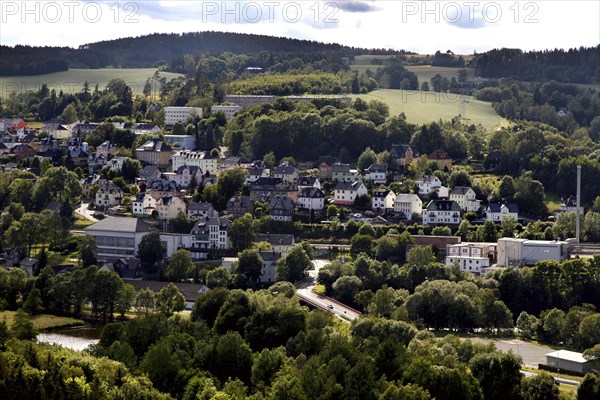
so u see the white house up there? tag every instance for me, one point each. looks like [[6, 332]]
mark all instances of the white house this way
[[383, 201], [229, 111], [107, 149], [116, 163], [496, 212], [169, 206], [118, 237], [308, 182], [280, 243], [441, 212], [570, 205], [465, 197], [343, 173], [145, 129], [143, 205], [286, 172], [268, 272], [376, 173], [210, 233], [257, 170], [345, 193], [427, 184], [408, 204], [184, 176], [202, 160], [311, 199], [471, 257], [174, 115], [108, 195]]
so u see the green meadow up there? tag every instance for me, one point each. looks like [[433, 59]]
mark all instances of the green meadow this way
[[72, 80], [424, 107]]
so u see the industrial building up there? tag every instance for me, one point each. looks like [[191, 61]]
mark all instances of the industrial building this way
[[520, 252]]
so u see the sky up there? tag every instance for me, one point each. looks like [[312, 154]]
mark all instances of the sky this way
[[420, 26]]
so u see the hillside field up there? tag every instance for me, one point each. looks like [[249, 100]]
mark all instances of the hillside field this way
[[425, 107], [72, 80]]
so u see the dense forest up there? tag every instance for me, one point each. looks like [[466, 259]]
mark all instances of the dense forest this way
[[574, 65], [169, 49]]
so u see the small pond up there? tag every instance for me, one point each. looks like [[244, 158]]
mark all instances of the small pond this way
[[78, 338]]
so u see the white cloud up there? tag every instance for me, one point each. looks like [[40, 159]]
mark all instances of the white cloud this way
[[411, 25]]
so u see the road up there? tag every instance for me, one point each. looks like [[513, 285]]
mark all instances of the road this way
[[86, 212], [304, 290], [532, 354]]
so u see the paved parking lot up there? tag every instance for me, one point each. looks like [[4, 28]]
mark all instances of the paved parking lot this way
[[532, 354]]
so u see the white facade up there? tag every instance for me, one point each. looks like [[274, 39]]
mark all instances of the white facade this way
[[383, 201], [175, 241], [428, 183], [345, 193], [229, 111], [108, 195], [210, 233], [466, 198], [180, 114], [143, 205], [198, 159], [520, 252], [497, 213], [471, 257], [311, 203], [169, 206], [408, 204]]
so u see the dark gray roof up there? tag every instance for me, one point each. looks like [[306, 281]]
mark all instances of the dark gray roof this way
[[118, 224], [312, 193], [265, 183], [275, 239], [381, 193], [341, 168], [202, 206], [460, 190], [347, 185], [399, 150], [163, 185], [307, 180], [443, 205], [377, 168], [149, 170], [281, 202], [495, 207], [269, 255], [285, 170]]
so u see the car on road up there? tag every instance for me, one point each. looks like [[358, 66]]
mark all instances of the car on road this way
[[330, 306]]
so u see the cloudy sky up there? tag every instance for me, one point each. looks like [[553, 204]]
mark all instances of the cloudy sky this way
[[421, 26]]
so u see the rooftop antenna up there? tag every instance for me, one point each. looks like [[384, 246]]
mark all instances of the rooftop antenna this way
[[577, 206]]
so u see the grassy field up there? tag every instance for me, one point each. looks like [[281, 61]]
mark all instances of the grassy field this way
[[43, 322], [72, 80], [424, 107], [426, 72]]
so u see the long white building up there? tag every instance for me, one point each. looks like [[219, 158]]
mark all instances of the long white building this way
[[519, 252], [174, 115], [471, 257], [199, 159]]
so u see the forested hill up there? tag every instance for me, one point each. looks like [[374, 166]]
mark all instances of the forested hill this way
[[580, 65], [152, 50]]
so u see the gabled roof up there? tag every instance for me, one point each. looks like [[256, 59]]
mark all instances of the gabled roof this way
[[399, 150], [406, 198], [311, 193], [163, 185], [281, 202], [202, 206], [262, 183], [460, 190], [496, 207], [341, 167], [427, 179], [285, 170], [119, 224], [275, 239], [443, 205], [155, 145], [381, 193], [354, 186], [571, 201], [149, 170], [239, 201], [307, 180], [377, 168], [439, 155]]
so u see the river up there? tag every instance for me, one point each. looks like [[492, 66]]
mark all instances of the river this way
[[74, 338]]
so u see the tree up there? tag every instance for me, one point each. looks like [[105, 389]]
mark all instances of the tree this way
[[506, 189], [527, 325], [366, 159], [508, 226], [219, 278], [181, 224], [151, 251], [180, 265], [207, 305], [231, 181], [250, 264], [293, 267], [131, 169], [144, 300], [529, 194], [420, 256], [487, 232], [126, 297], [589, 388], [33, 302], [22, 327], [233, 357], [88, 251], [499, 375], [540, 387], [104, 294], [346, 287], [4, 334], [242, 233], [459, 177], [361, 244], [266, 365], [170, 300]]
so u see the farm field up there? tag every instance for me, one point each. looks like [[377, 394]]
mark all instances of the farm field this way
[[72, 80], [425, 107], [42, 322]]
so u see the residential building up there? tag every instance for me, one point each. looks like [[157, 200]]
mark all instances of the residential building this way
[[519, 252], [238, 206], [229, 111], [257, 170], [264, 189], [268, 272], [286, 172], [281, 208], [164, 187], [427, 184], [174, 115], [377, 173], [108, 195], [95, 162], [154, 152], [145, 129], [345, 193], [382, 201], [280, 243], [23, 151], [57, 130], [181, 141], [442, 159], [570, 205], [209, 234], [201, 210], [118, 237], [143, 205], [471, 257], [465, 197], [149, 173], [185, 175], [116, 163], [86, 184], [437, 243], [311, 199], [169, 206], [570, 361], [326, 167], [441, 212], [12, 125], [107, 149], [127, 268], [202, 160], [408, 204], [404, 153], [343, 173], [496, 212], [308, 182]]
